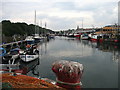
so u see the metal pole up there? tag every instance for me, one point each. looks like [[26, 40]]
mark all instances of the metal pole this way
[[35, 21], [82, 23]]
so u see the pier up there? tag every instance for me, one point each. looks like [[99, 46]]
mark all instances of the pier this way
[[12, 43]]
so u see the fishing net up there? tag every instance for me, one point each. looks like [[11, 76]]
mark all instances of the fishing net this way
[[23, 81]]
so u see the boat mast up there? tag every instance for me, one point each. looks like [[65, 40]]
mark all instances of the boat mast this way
[[82, 23], [35, 21], [45, 28], [45, 25], [41, 23]]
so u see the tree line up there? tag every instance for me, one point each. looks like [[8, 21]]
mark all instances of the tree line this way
[[9, 29]]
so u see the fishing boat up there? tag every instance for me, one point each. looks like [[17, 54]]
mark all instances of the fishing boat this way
[[29, 40], [90, 36], [71, 35], [11, 55], [29, 55], [77, 35], [21, 67], [51, 36], [37, 38], [84, 37], [94, 37], [97, 38]]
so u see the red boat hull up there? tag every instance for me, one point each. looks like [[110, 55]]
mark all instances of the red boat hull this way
[[77, 35], [94, 40]]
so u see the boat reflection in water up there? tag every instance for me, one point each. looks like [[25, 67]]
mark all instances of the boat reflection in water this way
[[87, 48], [106, 47], [29, 67]]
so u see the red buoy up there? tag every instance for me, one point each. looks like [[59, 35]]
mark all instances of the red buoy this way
[[68, 74]]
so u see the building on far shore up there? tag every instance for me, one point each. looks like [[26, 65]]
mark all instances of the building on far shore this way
[[111, 30]]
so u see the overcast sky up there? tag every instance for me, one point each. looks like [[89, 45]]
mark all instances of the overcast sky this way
[[61, 14]]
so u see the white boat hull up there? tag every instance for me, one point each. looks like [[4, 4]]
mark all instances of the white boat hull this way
[[29, 38], [83, 37], [28, 58], [15, 56]]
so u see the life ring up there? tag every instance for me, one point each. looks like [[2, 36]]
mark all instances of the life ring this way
[[3, 51]]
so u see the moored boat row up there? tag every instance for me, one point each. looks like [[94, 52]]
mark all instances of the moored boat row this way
[[94, 37]]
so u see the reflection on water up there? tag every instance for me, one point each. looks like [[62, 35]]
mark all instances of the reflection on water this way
[[116, 56], [100, 60], [28, 66], [106, 47]]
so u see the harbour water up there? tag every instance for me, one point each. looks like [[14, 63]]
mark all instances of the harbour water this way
[[100, 61]]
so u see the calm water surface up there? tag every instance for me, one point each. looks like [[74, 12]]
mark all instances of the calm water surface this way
[[100, 61]]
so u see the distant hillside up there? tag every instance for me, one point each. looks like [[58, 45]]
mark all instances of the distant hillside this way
[[10, 29]]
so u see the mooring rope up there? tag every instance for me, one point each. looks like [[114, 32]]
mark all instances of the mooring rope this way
[[73, 84]]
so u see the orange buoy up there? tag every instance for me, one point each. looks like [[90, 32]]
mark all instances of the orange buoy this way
[[28, 46]]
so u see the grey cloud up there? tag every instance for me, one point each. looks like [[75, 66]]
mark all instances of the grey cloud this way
[[102, 12], [63, 23], [85, 7], [65, 5], [105, 15]]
